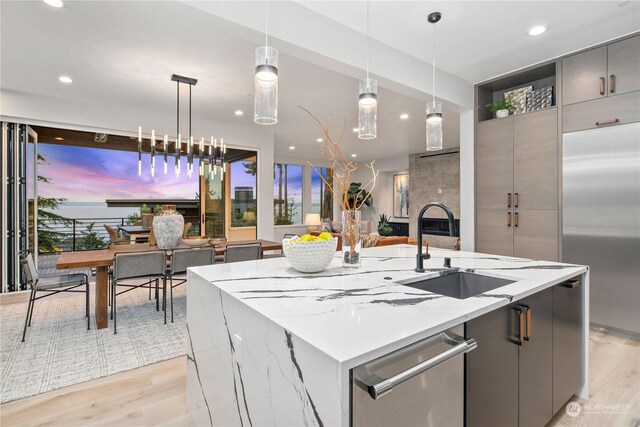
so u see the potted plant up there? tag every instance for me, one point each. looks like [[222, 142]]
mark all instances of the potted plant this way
[[384, 229], [147, 216], [357, 196], [502, 107]]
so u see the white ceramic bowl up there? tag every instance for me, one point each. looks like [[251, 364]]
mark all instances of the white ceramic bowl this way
[[309, 257], [195, 242]]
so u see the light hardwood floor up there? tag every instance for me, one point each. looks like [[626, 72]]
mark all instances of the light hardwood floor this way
[[155, 395]]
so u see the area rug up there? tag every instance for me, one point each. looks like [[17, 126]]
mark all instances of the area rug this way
[[59, 350]]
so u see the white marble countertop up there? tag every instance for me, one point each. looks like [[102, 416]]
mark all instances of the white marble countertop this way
[[355, 315]]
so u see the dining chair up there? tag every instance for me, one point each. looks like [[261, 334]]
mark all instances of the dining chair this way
[[181, 260], [150, 266], [51, 285], [242, 252]]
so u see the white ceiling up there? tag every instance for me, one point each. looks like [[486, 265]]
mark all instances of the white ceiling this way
[[123, 53], [477, 40]]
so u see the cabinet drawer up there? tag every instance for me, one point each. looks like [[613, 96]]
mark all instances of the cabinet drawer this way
[[586, 115]]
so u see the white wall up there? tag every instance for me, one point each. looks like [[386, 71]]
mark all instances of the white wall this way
[[124, 120], [467, 186]]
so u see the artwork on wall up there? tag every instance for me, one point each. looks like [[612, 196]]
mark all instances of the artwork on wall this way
[[401, 196]]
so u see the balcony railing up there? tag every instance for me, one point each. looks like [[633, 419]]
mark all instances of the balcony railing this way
[[74, 235]]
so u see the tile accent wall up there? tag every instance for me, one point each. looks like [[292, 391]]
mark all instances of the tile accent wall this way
[[428, 175]]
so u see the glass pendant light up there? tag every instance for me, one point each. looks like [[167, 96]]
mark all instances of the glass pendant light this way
[[368, 99], [434, 108], [265, 101]]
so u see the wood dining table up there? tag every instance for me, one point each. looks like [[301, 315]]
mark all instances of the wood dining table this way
[[102, 259]]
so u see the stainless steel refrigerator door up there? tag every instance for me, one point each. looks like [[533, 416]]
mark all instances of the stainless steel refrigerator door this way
[[434, 397], [601, 219]]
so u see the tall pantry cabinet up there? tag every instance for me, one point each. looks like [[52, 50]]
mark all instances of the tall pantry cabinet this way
[[516, 174]]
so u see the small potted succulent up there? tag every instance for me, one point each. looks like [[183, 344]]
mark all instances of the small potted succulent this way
[[502, 107], [384, 228]]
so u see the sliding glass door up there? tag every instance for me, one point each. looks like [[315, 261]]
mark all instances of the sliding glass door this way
[[212, 205]]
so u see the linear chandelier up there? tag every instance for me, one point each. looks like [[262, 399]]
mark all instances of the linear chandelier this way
[[211, 154]]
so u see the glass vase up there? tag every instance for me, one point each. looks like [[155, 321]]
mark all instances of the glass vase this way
[[351, 245]]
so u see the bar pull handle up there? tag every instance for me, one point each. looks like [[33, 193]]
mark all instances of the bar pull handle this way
[[527, 311], [516, 200], [508, 200], [612, 83], [515, 219], [601, 85], [520, 314], [572, 284], [508, 219], [607, 122], [380, 388]]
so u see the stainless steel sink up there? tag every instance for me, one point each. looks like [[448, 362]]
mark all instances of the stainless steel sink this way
[[457, 284]]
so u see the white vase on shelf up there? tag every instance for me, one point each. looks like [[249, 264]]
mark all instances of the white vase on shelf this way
[[502, 113], [167, 227]]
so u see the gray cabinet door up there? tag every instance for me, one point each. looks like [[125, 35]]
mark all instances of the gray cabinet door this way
[[600, 113], [535, 160], [535, 234], [494, 163], [624, 66], [582, 74], [492, 370], [567, 341], [494, 182], [536, 362]]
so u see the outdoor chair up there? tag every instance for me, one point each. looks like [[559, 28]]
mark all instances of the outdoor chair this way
[[114, 238], [185, 230], [150, 266], [242, 252], [183, 259], [51, 286]]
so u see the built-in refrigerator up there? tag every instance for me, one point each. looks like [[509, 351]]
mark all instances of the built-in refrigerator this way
[[601, 219]]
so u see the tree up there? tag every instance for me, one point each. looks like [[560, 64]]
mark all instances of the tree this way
[[285, 217], [49, 240], [89, 239], [250, 168]]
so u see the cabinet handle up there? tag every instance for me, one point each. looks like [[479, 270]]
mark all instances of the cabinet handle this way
[[607, 122], [601, 85], [516, 200], [508, 200], [515, 219], [520, 314], [612, 83], [572, 284], [508, 219], [527, 311]]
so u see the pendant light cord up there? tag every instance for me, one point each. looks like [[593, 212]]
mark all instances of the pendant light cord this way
[[434, 64], [368, 41], [266, 26]]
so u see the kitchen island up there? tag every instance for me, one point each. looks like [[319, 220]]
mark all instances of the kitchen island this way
[[271, 346]]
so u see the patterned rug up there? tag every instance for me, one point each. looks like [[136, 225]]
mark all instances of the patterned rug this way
[[59, 350]]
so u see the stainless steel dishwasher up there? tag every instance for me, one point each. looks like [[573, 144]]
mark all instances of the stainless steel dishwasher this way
[[419, 385]]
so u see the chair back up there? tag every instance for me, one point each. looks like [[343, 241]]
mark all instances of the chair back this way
[[185, 258], [30, 270], [185, 230], [113, 234], [246, 252], [139, 264]]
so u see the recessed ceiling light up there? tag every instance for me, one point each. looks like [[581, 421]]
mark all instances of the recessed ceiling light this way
[[54, 3], [238, 112], [59, 138], [65, 79], [355, 129], [537, 30], [404, 116], [354, 155], [319, 140], [291, 147]]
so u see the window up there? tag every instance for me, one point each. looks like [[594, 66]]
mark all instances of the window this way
[[287, 194], [243, 193], [321, 197]]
